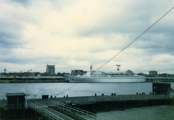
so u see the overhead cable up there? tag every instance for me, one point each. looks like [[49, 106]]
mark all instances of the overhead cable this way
[[126, 46], [135, 39]]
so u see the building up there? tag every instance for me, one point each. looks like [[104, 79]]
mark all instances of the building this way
[[129, 72], [15, 99], [31, 73], [50, 69], [153, 73], [163, 75], [78, 72], [142, 74], [62, 74], [45, 74]]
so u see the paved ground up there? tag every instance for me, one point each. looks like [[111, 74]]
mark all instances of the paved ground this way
[[94, 99]]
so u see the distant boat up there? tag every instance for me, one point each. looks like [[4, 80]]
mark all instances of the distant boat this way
[[99, 76]]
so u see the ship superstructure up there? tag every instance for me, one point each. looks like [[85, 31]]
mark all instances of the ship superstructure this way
[[100, 76]]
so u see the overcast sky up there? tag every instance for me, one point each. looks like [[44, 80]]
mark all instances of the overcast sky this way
[[74, 34]]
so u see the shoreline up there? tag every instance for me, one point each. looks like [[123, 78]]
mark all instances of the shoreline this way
[[57, 81], [34, 81]]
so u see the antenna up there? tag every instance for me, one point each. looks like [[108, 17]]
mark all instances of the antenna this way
[[118, 67]]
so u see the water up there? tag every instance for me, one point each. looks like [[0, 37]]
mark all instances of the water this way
[[74, 89], [36, 90], [164, 112]]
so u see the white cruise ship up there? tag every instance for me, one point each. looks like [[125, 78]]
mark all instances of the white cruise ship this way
[[99, 76]]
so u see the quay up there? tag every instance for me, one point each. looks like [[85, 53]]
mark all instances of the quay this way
[[161, 79], [60, 79], [33, 79], [112, 101], [82, 107]]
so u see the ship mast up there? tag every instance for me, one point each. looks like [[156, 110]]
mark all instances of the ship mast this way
[[5, 71], [118, 67], [91, 68]]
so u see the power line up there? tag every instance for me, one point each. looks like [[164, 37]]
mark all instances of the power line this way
[[91, 21], [68, 88], [92, 18], [86, 28], [126, 46], [135, 39], [101, 18]]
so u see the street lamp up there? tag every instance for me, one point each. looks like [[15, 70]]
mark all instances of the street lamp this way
[[26, 88]]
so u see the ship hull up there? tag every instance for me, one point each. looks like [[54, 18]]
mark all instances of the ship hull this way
[[81, 79]]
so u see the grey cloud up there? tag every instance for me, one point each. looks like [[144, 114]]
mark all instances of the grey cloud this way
[[152, 44], [10, 35], [129, 26], [17, 59], [150, 41], [163, 66], [55, 4], [25, 3], [133, 19], [133, 22], [9, 41], [60, 5]]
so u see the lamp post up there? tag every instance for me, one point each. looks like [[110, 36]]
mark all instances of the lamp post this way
[[26, 87]]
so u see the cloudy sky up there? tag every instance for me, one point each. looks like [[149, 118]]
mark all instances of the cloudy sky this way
[[74, 34]]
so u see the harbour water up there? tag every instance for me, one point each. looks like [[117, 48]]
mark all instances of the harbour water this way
[[36, 90]]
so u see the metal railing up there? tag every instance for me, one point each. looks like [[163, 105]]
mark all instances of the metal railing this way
[[75, 112], [46, 107], [50, 114]]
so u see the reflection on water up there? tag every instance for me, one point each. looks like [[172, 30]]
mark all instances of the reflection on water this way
[[89, 89]]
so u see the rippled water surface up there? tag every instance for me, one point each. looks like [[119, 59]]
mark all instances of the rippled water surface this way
[[164, 112]]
